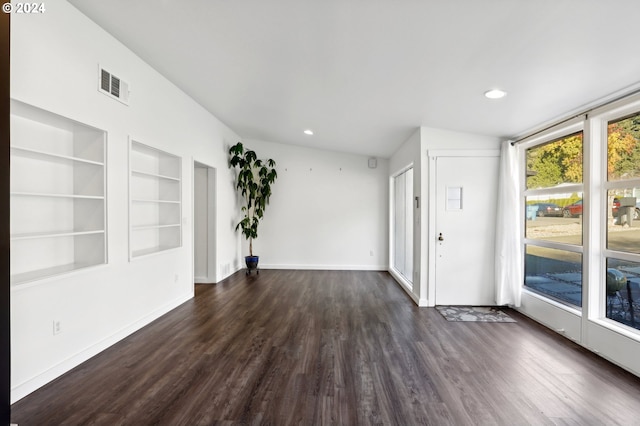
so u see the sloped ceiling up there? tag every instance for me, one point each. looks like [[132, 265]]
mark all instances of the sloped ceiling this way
[[364, 74]]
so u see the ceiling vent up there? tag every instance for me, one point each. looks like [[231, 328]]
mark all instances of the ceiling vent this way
[[113, 86]]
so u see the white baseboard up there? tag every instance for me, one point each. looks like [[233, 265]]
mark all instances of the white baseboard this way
[[20, 391], [405, 285], [325, 267]]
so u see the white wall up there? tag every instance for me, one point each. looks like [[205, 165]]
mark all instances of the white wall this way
[[54, 66], [328, 211]]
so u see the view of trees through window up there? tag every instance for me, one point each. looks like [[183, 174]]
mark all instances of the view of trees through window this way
[[553, 264], [553, 199], [555, 163], [623, 148], [623, 224]]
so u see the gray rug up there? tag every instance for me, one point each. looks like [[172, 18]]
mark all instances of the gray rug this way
[[474, 313]]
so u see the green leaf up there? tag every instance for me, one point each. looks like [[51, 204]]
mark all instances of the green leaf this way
[[253, 182]]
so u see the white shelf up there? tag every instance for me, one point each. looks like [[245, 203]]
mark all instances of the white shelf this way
[[143, 227], [151, 250], [17, 150], [153, 175], [70, 196], [155, 200], [57, 189], [32, 235], [47, 272]]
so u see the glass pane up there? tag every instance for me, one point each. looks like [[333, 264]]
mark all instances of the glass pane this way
[[408, 222], [403, 224], [399, 223], [555, 163], [555, 218], [554, 273], [623, 223], [623, 292], [623, 148]]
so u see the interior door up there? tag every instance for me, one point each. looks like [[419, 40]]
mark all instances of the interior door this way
[[466, 195]]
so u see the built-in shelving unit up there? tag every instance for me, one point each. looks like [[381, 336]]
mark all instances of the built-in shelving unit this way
[[57, 194], [156, 204]]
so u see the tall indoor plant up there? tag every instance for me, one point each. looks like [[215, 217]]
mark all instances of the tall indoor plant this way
[[254, 181]]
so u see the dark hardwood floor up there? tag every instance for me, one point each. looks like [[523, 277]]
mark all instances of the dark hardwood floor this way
[[333, 347]]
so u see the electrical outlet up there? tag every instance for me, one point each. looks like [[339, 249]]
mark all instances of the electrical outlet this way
[[176, 278], [57, 327], [370, 252]]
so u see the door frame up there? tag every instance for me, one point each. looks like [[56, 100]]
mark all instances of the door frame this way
[[211, 276], [433, 155], [407, 282]]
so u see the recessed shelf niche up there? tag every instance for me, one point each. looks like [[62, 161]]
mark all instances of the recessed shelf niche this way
[[155, 196], [57, 190]]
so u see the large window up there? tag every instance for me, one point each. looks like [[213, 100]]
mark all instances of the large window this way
[[553, 210], [622, 289], [581, 240]]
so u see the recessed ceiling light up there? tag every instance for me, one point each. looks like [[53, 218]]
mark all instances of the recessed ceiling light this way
[[495, 94], [308, 132]]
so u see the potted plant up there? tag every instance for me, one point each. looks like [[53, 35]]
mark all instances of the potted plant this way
[[254, 181]]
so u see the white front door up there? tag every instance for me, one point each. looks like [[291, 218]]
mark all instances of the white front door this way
[[466, 194]]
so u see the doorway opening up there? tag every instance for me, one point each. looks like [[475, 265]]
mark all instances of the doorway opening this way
[[204, 223]]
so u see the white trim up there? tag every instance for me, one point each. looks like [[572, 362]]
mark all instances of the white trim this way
[[431, 230], [212, 214], [402, 170], [560, 318], [559, 131], [574, 187], [617, 109], [310, 267], [408, 285], [434, 153], [612, 344], [402, 282], [392, 232], [572, 248], [391, 222]]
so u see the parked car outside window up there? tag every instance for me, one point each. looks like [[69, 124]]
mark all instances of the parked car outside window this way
[[616, 207], [548, 209], [572, 210]]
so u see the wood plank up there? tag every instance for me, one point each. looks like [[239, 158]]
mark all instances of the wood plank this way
[[333, 347]]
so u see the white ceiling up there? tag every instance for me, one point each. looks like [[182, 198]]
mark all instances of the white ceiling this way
[[364, 74]]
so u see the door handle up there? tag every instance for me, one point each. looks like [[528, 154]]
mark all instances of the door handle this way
[[440, 237]]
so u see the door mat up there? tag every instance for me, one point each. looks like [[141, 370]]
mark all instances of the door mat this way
[[474, 313]]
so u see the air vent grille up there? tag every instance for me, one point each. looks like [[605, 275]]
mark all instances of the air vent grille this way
[[113, 86], [105, 80]]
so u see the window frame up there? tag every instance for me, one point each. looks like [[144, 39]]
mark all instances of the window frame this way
[[567, 129], [599, 120]]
